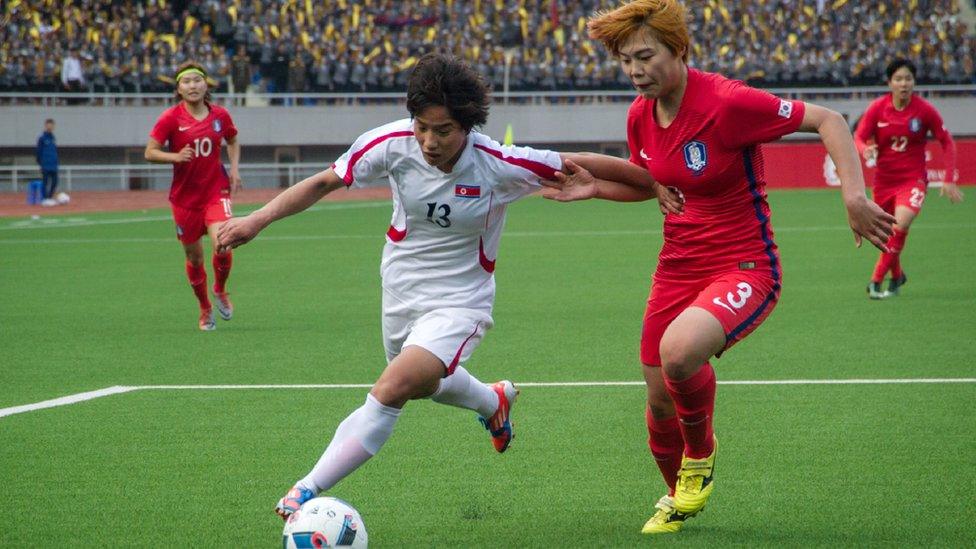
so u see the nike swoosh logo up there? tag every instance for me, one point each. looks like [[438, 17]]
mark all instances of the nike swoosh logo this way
[[644, 156], [184, 128], [882, 124]]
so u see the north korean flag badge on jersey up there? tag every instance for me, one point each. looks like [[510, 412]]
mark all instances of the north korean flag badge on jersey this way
[[467, 191]]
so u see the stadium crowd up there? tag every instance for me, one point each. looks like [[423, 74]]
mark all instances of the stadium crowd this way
[[370, 45]]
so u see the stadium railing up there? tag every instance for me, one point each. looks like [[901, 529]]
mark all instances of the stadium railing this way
[[114, 177], [525, 98]]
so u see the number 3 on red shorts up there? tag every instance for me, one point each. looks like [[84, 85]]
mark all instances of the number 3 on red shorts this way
[[738, 300]]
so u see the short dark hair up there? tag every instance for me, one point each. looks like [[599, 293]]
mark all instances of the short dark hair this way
[[897, 64], [49, 121], [444, 80]]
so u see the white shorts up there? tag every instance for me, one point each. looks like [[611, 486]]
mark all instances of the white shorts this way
[[450, 333]]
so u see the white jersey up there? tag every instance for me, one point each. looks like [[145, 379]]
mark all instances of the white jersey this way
[[443, 238]]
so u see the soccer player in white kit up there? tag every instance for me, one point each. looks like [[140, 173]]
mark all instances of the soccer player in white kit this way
[[451, 186]]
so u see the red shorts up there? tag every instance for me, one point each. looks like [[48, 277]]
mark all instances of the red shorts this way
[[910, 194], [191, 224], [741, 300]]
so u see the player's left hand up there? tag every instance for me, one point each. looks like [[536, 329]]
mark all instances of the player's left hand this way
[[235, 182], [237, 231], [952, 192], [869, 221], [574, 183]]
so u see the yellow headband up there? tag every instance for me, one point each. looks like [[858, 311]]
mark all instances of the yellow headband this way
[[191, 70]]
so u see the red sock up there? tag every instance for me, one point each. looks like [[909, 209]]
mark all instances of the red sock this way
[[896, 244], [883, 266], [664, 439], [896, 271], [694, 400], [198, 280], [221, 266]]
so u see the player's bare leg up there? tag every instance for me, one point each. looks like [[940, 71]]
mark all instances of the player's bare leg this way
[[690, 340]]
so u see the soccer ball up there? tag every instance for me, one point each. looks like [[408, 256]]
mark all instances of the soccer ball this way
[[324, 522], [62, 198]]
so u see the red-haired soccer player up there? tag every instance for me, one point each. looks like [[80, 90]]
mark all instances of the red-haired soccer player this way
[[893, 133], [200, 195], [719, 273]]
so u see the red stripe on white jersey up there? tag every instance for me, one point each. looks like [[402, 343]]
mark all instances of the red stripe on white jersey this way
[[538, 168], [487, 264], [347, 179], [395, 234]]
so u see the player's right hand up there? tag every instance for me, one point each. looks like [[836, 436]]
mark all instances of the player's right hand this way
[[670, 199], [185, 154], [235, 232], [870, 153], [868, 220]]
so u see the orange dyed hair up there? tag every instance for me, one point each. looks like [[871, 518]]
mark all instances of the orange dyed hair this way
[[665, 19]]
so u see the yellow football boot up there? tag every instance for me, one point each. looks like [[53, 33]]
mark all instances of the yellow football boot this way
[[666, 520], [694, 483]]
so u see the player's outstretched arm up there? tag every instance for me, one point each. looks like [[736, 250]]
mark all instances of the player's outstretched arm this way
[[240, 230], [588, 175], [866, 218]]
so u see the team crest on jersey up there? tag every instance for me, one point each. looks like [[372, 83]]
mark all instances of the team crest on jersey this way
[[216, 125], [915, 124], [467, 191], [696, 156], [785, 108]]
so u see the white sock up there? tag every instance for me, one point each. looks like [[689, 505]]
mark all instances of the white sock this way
[[463, 390], [358, 438]]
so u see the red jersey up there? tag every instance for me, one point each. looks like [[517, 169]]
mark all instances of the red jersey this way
[[711, 153], [200, 181], [901, 136]]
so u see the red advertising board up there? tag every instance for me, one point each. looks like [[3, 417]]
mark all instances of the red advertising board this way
[[806, 164]]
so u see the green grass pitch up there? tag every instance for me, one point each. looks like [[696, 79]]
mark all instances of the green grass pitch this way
[[99, 300]]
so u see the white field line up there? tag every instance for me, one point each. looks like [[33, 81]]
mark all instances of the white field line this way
[[81, 397], [65, 400], [378, 235]]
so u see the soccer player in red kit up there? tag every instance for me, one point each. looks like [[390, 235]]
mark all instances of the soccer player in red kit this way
[[200, 195], [893, 134], [719, 274]]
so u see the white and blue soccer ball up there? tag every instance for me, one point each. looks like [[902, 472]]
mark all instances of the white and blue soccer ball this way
[[62, 198], [324, 522]]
